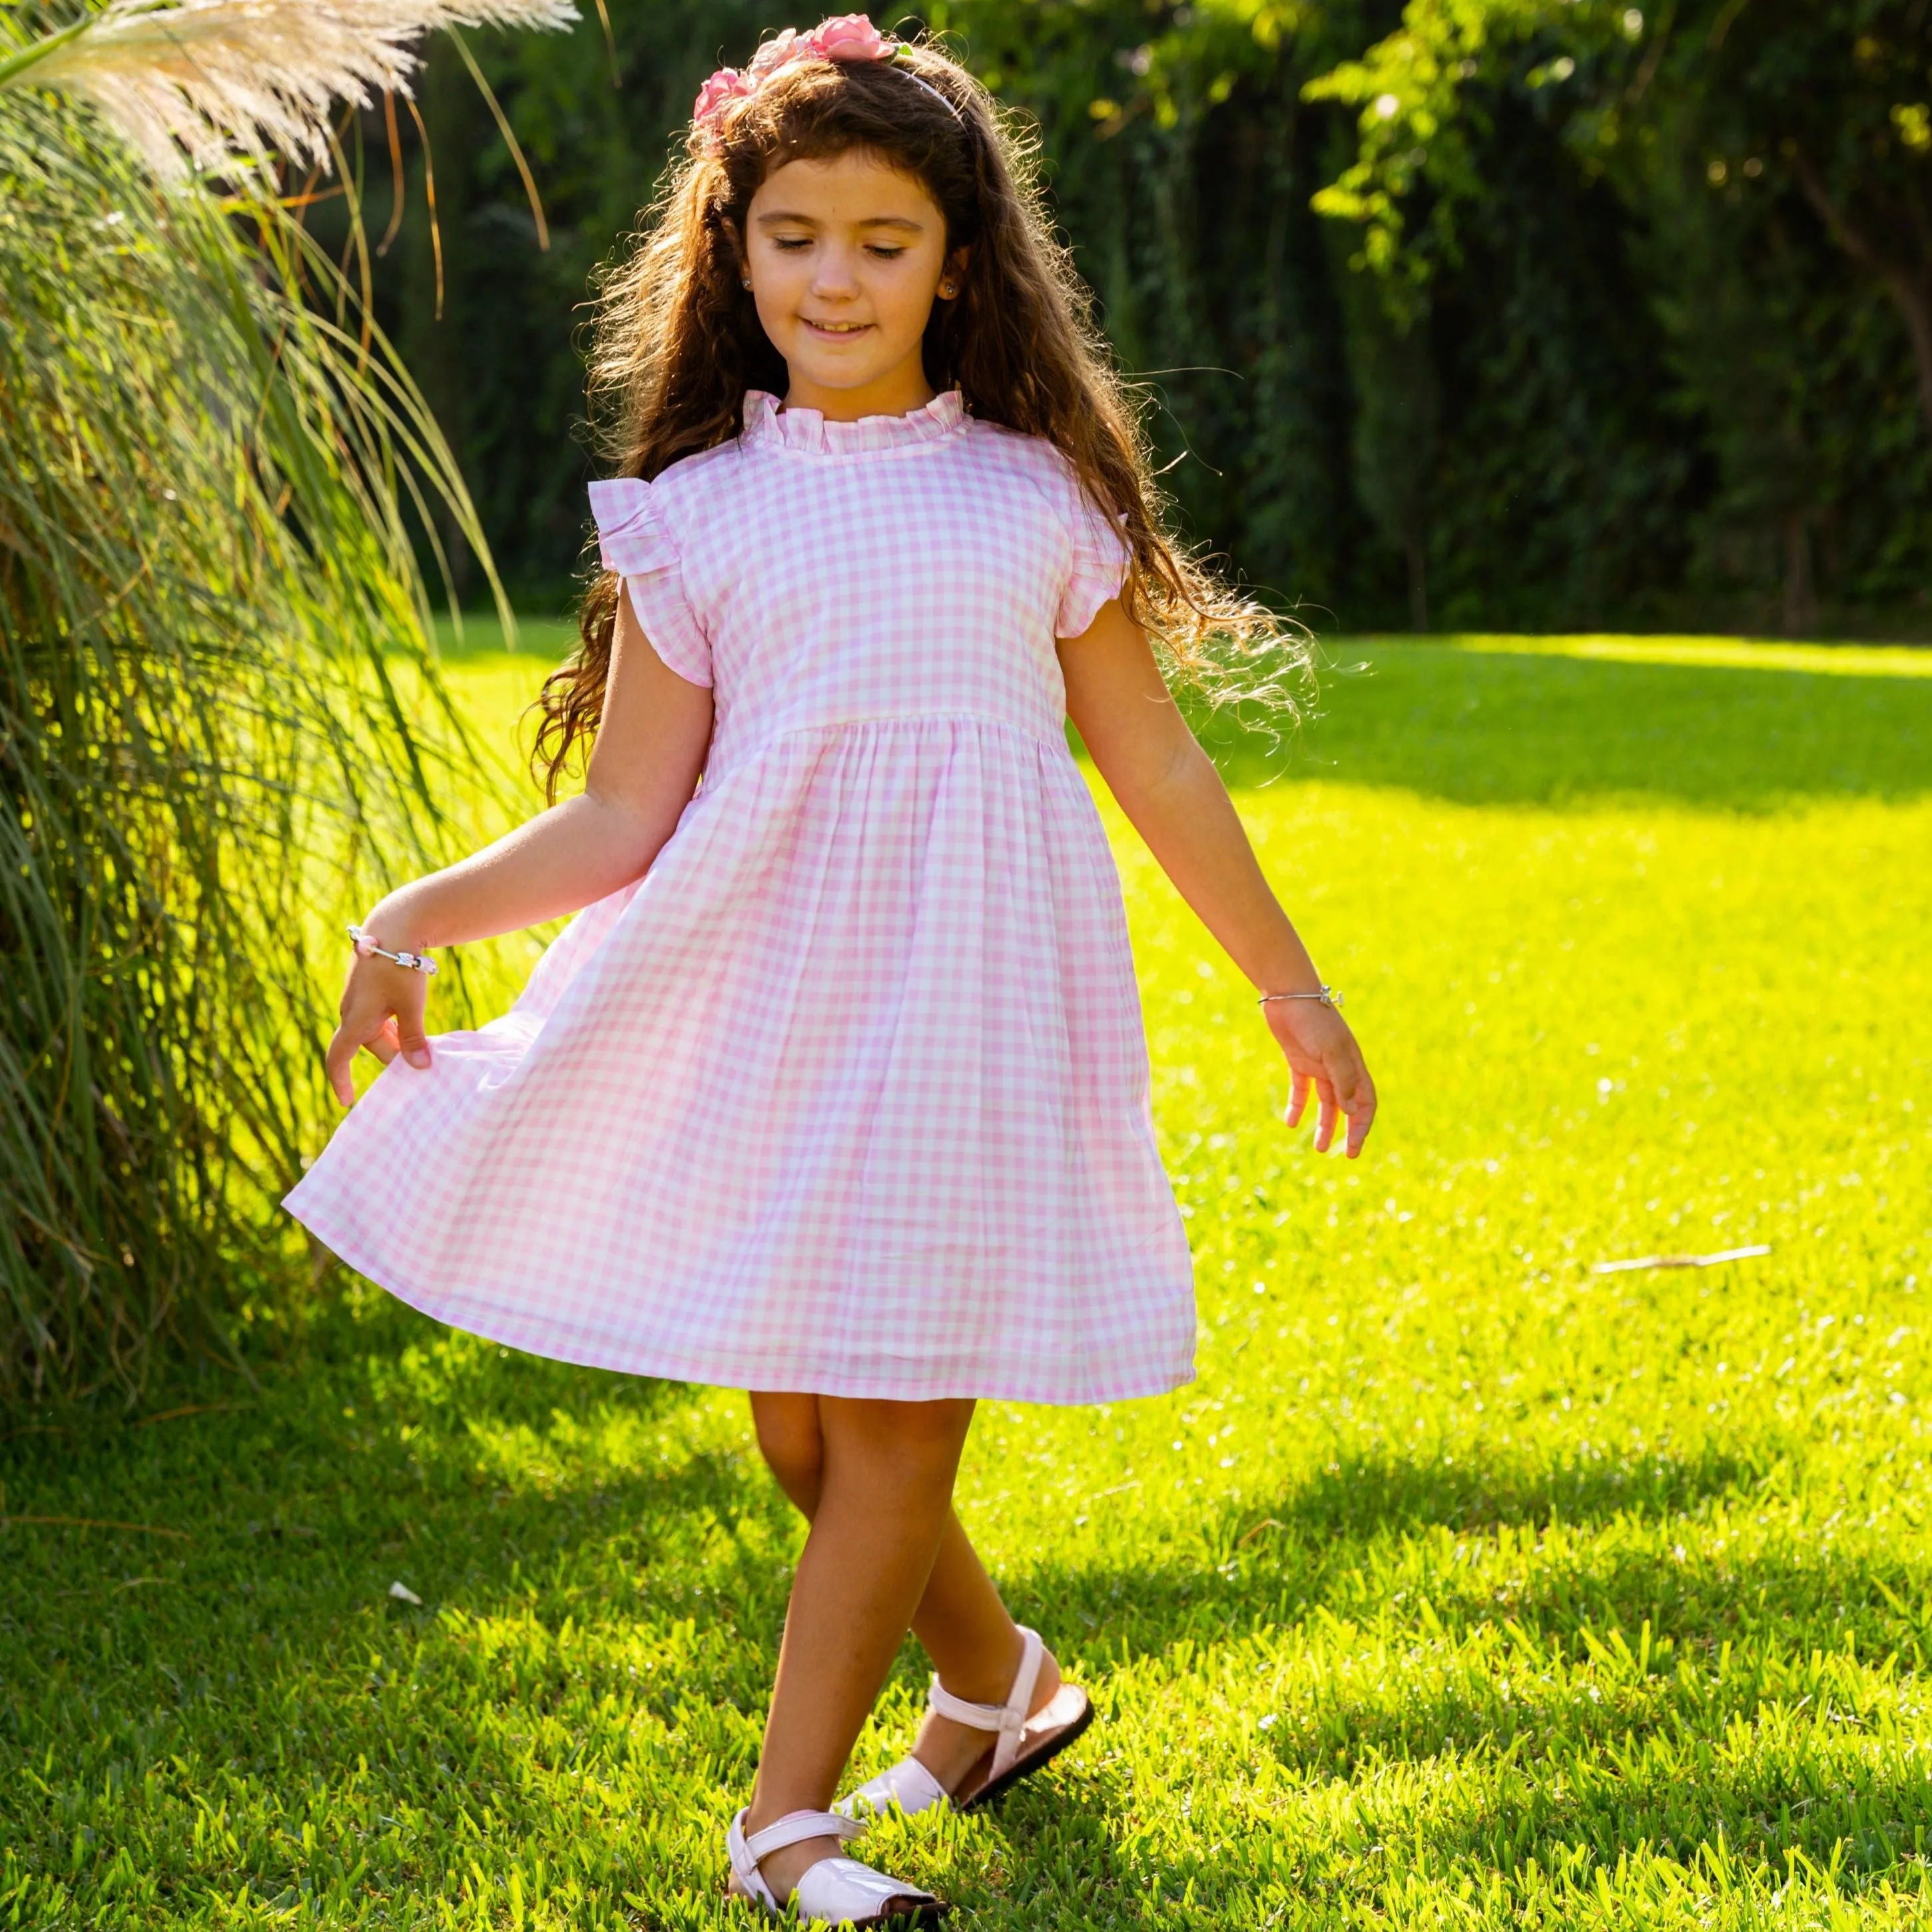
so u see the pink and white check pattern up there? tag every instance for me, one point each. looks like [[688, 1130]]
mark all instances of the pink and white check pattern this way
[[850, 1094]]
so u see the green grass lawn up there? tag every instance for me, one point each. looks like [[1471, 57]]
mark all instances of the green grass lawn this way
[[1466, 1586]]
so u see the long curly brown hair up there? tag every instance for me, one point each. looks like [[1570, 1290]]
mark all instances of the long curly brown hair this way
[[676, 343]]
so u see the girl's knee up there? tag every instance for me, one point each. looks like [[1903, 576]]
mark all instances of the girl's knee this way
[[791, 1443]]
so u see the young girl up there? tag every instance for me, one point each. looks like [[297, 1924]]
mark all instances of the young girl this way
[[838, 1092]]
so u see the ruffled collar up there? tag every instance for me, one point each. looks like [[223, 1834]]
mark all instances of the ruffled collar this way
[[808, 431]]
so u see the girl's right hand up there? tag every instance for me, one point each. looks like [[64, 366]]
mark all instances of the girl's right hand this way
[[382, 1010]]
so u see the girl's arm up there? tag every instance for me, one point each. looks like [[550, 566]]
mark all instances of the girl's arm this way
[[1170, 790], [649, 750]]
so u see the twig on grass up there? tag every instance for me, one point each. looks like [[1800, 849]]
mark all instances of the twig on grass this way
[[97, 1522], [186, 1408], [1681, 1261]]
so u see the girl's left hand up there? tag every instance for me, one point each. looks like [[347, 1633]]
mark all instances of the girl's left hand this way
[[1323, 1057]]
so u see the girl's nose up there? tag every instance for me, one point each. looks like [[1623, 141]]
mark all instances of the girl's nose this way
[[835, 274]]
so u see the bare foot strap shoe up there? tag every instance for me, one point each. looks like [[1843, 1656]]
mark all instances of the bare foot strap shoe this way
[[1023, 1743], [840, 1891], [908, 1784]]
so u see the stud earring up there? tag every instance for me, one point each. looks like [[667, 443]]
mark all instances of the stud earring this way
[[948, 289], [744, 280]]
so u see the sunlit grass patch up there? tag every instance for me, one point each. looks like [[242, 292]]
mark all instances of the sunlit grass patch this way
[[1466, 1585], [1719, 653]]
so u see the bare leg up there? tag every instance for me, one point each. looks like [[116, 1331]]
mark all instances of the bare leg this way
[[975, 1646], [973, 1643], [884, 1493], [793, 1445]]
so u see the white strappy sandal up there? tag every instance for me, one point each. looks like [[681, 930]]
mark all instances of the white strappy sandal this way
[[840, 1891], [1023, 1745]]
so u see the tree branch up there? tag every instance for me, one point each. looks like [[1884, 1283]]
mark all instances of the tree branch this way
[[1906, 285]]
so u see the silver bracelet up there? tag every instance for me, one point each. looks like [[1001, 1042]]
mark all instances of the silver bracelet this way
[[366, 948], [1329, 996]]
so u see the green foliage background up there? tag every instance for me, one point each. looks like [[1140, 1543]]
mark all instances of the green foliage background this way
[[1576, 379]]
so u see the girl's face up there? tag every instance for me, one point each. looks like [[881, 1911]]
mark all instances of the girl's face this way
[[845, 259]]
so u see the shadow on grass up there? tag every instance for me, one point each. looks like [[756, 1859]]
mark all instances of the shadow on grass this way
[[1862, 1823], [1453, 1669], [1273, 1559], [203, 1556], [1449, 724], [1588, 1547], [1477, 1492], [529, 1496]]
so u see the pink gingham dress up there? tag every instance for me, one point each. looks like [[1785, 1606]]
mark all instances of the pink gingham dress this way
[[849, 1095]]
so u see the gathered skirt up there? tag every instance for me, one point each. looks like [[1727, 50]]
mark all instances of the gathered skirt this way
[[848, 1095]]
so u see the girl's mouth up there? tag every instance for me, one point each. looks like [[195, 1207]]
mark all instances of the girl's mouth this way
[[837, 331]]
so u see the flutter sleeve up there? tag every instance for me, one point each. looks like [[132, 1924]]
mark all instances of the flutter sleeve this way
[[637, 544], [1100, 561]]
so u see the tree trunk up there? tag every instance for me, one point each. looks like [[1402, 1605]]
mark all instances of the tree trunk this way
[[1909, 294], [1801, 596], [1418, 582]]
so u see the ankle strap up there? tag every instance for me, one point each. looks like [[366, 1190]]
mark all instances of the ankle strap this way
[[1008, 1719], [745, 1852], [795, 1826]]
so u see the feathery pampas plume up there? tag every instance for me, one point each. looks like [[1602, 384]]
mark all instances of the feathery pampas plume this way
[[231, 81]]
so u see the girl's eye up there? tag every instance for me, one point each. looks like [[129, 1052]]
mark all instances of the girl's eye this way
[[790, 244], [888, 254]]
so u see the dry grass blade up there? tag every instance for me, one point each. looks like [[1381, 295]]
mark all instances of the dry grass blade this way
[[509, 135], [429, 196], [610, 43], [396, 184], [231, 81]]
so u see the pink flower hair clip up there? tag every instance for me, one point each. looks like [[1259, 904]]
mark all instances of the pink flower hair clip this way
[[843, 36]]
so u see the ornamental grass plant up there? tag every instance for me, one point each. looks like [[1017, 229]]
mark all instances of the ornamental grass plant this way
[[214, 473]]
